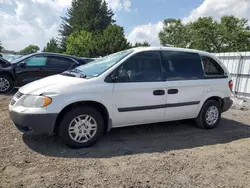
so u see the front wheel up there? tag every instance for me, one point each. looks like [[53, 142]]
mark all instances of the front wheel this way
[[210, 115], [81, 127], [6, 84]]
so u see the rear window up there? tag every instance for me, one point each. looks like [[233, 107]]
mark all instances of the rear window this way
[[211, 67], [181, 65]]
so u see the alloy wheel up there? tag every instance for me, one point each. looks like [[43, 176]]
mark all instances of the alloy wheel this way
[[4, 84], [82, 128], [212, 115]]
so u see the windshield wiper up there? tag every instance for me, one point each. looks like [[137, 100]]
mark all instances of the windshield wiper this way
[[68, 74], [82, 75], [78, 74]]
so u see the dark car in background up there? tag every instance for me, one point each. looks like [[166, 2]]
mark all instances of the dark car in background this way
[[35, 66]]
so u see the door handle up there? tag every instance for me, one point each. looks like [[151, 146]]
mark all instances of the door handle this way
[[159, 92], [173, 91]]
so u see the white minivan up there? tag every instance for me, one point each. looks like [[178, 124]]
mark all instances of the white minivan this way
[[136, 86]]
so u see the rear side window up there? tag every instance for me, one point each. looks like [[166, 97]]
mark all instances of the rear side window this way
[[59, 62], [181, 65], [211, 67]]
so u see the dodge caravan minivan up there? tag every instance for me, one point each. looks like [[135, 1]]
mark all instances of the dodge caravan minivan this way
[[136, 86]]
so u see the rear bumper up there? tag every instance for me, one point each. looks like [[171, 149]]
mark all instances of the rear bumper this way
[[34, 124], [227, 103]]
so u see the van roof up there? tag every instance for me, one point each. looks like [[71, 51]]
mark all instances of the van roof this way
[[140, 49]]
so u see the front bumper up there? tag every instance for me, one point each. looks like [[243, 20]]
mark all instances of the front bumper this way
[[227, 103], [34, 124]]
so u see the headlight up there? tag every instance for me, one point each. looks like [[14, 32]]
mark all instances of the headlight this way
[[36, 101]]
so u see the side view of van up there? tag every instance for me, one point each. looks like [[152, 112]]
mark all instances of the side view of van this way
[[131, 87]]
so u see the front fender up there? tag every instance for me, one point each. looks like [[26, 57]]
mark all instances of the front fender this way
[[59, 103]]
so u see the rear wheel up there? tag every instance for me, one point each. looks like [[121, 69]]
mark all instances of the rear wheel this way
[[210, 115], [81, 127], [6, 83]]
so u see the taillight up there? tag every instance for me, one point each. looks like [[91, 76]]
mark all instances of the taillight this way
[[230, 85]]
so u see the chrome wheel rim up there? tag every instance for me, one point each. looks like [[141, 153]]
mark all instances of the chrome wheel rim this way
[[4, 84], [82, 128], [212, 115]]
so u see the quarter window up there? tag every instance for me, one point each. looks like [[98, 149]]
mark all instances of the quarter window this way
[[181, 65], [211, 67], [142, 67], [36, 61]]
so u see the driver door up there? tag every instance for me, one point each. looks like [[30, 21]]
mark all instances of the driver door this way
[[30, 69], [139, 93]]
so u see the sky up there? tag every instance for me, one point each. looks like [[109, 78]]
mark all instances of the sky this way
[[24, 22]]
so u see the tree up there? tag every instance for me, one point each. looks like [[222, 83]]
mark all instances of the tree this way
[[29, 50], [9, 52], [236, 34], [52, 46], [229, 34], [80, 44], [1, 47], [89, 15], [139, 44], [111, 40], [204, 34], [95, 44], [174, 33]]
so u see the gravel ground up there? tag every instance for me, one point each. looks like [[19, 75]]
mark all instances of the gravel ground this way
[[174, 154]]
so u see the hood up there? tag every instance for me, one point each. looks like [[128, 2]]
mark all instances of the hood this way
[[46, 84]]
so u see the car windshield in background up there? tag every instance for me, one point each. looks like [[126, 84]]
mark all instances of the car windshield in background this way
[[11, 58], [2, 60], [100, 65], [20, 58]]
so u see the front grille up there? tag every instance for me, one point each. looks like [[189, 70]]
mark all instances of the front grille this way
[[18, 95], [12, 102]]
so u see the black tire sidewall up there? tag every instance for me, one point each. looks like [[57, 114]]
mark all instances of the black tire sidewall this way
[[204, 111], [70, 115], [10, 81]]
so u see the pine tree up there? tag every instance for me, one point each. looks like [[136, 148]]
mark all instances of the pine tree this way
[[88, 15]]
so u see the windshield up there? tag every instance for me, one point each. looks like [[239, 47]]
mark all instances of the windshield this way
[[10, 57], [97, 67], [20, 58]]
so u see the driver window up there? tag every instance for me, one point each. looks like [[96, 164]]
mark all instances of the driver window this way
[[142, 67], [36, 61]]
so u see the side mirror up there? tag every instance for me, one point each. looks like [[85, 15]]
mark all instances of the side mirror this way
[[23, 65]]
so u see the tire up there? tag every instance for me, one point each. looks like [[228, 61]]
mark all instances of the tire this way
[[205, 123], [68, 124], [5, 79]]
